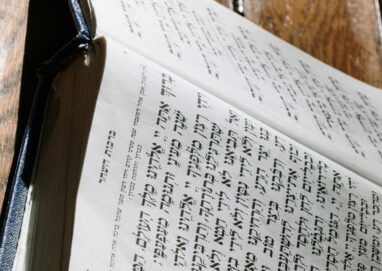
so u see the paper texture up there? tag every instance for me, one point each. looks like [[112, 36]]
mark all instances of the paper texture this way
[[176, 179], [256, 72]]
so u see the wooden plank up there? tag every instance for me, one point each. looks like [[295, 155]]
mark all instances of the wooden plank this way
[[13, 22], [227, 3], [345, 34]]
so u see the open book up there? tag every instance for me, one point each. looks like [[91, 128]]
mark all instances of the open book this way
[[213, 145]]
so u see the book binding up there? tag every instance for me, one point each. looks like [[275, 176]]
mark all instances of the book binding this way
[[14, 204]]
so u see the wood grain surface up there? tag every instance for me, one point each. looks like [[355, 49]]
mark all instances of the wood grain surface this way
[[13, 22], [343, 33]]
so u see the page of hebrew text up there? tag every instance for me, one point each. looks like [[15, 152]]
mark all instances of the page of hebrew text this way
[[176, 179], [256, 72]]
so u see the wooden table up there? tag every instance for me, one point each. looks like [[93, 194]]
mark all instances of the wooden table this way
[[343, 33], [13, 22]]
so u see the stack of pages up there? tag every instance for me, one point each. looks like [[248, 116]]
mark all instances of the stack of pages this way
[[187, 138]]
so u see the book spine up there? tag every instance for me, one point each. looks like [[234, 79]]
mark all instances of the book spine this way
[[14, 205]]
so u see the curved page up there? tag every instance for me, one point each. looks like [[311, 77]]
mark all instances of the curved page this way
[[257, 73], [176, 179]]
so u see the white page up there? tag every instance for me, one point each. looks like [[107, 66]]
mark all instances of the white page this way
[[176, 179], [256, 72]]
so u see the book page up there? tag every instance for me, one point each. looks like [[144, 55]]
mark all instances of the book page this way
[[256, 72], [176, 179]]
